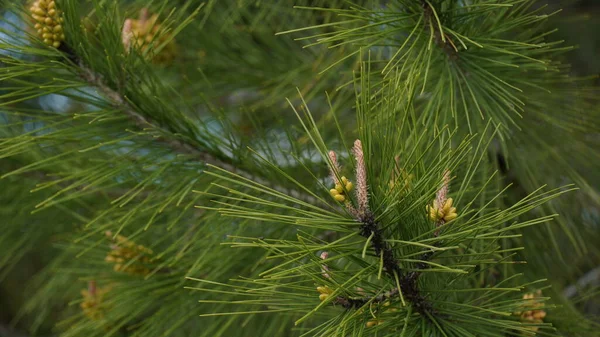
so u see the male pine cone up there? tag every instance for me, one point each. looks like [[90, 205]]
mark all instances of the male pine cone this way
[[48, 22], [145, 35]]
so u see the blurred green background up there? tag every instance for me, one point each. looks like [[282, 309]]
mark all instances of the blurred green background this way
[[578, 25]]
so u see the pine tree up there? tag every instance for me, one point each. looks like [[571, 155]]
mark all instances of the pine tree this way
[[295, 168]]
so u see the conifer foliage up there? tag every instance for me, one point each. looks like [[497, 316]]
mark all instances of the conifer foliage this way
[[295, 168]]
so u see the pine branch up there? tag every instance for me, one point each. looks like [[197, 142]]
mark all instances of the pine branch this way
[[371, 230], [118, 101], [114, 192], [408, 282], [442, 40], [178, 145], [356, 303]]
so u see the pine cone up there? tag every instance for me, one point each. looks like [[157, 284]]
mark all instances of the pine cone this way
[[48, 22], [143, 34], [92, 304], [124, 252]]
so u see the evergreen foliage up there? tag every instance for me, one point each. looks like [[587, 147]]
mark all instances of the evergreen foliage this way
[[295, 168]]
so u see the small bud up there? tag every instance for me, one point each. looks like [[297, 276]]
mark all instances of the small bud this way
[[349, 186], [450, 216], [447, 205], [373, 323], [324, 292], [340, 198]]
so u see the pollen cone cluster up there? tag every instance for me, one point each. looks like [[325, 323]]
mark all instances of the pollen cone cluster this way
[[129, 257], [48, 22], [535, 313], [145, 35], [339, 192], [92, 301], [324, 292], [442, 212]]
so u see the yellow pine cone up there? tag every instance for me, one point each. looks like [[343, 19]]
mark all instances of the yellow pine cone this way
[[445, 213], [534, 314], [387, 304], [144, 36], [92, 303], [339, 192], [48, 20], [373, 323], [324, 292], [129, 257]]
